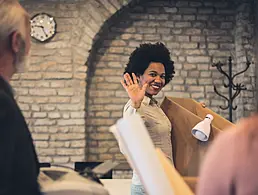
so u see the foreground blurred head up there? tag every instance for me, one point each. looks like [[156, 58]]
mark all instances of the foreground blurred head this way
[[14, 37]]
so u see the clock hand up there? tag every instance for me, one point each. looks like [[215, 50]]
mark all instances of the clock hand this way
[[40, 26]]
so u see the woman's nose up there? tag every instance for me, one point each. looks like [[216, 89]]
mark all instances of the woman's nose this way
[[158, 79]]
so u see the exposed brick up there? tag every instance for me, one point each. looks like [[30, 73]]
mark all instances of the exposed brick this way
[[206, 10], [65, 92], [40, 137], [59, 99], [225, 11], [176, 31], [116, 114], [206, 81], [151, 37], [226, 25], [189, 66], [176, 17], [44, 122], [182, 24], [219, 53], [195, 4], [194, 74], [59, 144], [158, 16], [40, 100], [205, 74], [54, 115], [215, 32], [183, 38], [42, 84], [170, 9], [30, 76], [24, 107], [199, 59], [187, 10], [41, 144], [146, 30], [42, 92], [46, 151], [199, 25], [203, 17], [189, 17], [163, 31], [195, 88], [213, 46], [48, 107], [189, 45], [25, 99], [67, 137], [39, 114], [63, 122], [102, 114], [190, 81], [69, 107], [194, 52], [230, 46], [60, 75], [178, 94], [69, 151]]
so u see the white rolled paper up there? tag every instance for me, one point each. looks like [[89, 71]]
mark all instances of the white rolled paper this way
[[140, 152]]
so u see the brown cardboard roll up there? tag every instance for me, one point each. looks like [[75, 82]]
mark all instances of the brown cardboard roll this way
[[184, 114]]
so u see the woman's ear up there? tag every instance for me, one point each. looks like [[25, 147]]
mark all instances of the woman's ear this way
[[16, 41]]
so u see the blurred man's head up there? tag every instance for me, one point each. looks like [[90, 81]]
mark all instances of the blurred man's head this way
[[14, 37]]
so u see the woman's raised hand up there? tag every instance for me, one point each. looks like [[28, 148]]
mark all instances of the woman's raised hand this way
[[134, 90]]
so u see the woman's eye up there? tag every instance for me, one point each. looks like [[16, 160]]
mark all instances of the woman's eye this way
[[153, 74], [163, 76]]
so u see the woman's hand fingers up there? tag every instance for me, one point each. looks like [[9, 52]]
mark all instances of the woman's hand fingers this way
[[128, 79], [123, 84], [134, 79]]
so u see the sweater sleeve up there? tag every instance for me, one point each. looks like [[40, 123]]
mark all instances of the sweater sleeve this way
[[129, 110], [216, 175], [7, 145]]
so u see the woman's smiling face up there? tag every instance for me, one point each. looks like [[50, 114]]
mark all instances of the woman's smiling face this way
[[154, 75]]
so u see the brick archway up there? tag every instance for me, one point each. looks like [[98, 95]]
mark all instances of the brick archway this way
[[52, 91]]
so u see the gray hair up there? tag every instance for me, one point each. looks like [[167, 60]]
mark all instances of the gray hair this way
[[12, 18]]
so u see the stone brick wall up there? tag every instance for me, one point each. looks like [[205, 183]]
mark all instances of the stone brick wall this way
[[52, 91], [69, 105], [244, 41], [197, 34]]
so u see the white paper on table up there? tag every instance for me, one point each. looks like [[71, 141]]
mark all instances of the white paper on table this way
[[141, 154]]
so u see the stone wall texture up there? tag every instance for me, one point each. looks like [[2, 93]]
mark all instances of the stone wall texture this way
[[70, 94]]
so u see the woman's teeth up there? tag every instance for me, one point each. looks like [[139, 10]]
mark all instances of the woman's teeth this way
[[155, 86]]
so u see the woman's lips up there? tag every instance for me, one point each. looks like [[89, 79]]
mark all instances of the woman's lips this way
[[156, 87]]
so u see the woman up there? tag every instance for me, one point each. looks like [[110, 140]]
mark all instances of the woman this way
[[149, 69]]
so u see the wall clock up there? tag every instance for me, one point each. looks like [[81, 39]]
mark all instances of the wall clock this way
[[43, 27]]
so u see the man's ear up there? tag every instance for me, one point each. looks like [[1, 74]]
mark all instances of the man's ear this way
[[16, 40]]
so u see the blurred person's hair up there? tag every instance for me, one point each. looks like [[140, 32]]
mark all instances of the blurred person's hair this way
[[13, 18]]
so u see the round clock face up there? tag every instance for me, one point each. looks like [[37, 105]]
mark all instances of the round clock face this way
[[43, 27]]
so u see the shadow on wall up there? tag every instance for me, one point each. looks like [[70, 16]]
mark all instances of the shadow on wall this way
[[103, 102]]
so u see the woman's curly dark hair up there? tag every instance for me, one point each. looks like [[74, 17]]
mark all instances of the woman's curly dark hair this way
[[142, 56]]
